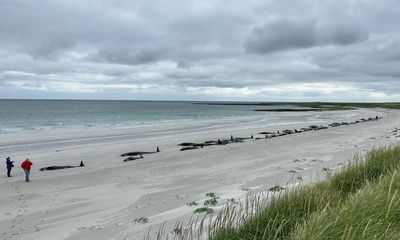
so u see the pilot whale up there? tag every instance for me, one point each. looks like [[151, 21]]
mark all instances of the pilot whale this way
[[138, 153], [50, 168]]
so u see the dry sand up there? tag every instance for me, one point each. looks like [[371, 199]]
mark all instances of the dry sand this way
[[102, 200]]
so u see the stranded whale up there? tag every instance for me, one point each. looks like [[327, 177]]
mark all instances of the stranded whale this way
[[132, 158], [138, 153], [60, 167]]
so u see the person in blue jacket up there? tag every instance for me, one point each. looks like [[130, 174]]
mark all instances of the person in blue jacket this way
[[9, 166]]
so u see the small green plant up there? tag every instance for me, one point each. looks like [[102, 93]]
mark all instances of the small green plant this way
[[212, 201], [206, 210], [177, 231], [192, 204], [276, 188], [141, 220], [211, 194], [232, 201]]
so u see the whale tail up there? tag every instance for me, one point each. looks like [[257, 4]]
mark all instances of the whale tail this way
[[158, 150], [81, 165]]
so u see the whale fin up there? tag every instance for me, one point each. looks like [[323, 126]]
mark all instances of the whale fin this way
[[81, 164], [158, 150]]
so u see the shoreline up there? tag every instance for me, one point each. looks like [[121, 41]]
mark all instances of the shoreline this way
[[102, 199]]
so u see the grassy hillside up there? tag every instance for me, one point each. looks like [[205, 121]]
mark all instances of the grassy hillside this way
[[371, 213], [343, 207]]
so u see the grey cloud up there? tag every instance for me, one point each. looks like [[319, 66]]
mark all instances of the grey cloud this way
[[50, 48], [280, 35], [178, 45], [286, 33], [129, 56], [340, 33]]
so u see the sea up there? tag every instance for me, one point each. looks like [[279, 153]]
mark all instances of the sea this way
[[71, 115]]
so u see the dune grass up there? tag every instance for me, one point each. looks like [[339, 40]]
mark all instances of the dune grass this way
[[359, 202], [371, 213], [295, 208]]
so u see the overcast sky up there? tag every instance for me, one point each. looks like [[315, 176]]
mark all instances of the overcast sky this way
[[257, 50]]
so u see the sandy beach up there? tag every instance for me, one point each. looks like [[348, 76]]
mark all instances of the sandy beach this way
[[103, 199]]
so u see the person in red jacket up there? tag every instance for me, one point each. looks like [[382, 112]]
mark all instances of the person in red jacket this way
[[26, 165]]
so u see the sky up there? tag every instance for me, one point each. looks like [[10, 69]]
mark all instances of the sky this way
[[254, 50]]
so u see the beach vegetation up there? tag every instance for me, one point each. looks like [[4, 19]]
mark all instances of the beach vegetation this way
[[232, 201], [361, 201], [276, 188], [289, 214], [206, 210], [211, 194], [177, 231], [141, 220], [326, 169], [193, 203], [210, 202]]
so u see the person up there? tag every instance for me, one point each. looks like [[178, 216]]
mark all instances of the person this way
[[26, 165], [9, 165]]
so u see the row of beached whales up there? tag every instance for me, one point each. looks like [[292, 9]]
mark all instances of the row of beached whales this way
[[131, 156], [191, 146]]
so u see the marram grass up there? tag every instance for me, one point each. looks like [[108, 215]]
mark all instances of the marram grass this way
[[316, 210], [371, 213]]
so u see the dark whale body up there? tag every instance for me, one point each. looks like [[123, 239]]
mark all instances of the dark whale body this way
[[187, 144], [189, 148], [138, 153], [50, 168], [190, 144], [132, 158], [265, 133]]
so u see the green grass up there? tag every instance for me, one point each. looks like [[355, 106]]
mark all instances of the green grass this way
[[141, 220], [206, 210], [289, 211], [359, 202], [371, 213]]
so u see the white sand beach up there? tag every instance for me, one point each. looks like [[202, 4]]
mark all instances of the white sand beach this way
[[102, 199]]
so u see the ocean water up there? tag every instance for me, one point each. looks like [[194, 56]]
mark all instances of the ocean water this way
[[49, 115]]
